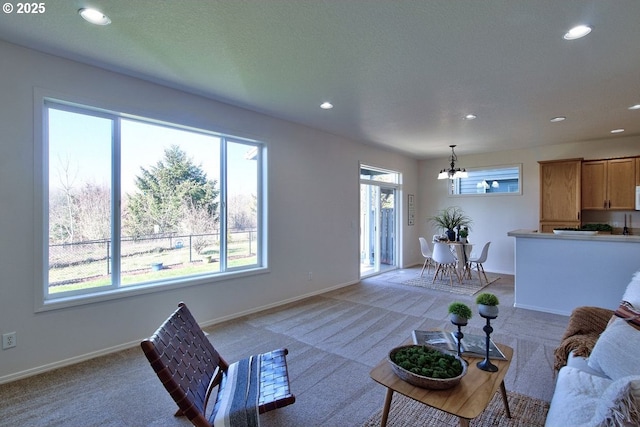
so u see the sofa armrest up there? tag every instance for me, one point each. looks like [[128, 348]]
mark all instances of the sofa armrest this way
[[585, 326]]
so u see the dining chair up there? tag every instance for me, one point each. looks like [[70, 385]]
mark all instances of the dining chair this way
[[446, 262], [478, 261], [426, 253]]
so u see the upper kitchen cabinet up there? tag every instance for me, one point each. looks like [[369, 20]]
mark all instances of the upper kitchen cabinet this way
[[637, 171], [560, 194], [609, 184]]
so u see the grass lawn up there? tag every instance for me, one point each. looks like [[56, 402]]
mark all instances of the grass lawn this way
[[137, 269]]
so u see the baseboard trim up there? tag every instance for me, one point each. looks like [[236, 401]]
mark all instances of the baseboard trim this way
[[66, 362], [542, 309], [106, 351]]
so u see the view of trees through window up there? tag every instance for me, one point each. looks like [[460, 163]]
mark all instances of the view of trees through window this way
[[133, 202]]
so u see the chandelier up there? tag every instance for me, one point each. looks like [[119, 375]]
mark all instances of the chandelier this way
[[453, 172]]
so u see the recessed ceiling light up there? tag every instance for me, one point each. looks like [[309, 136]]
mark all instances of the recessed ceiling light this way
[[326, 105], [558, 119], [94, 16], [617, 131], [470, 117], [577, 32], [635, 107]]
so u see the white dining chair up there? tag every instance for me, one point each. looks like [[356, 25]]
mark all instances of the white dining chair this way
[[479, 260], [426, 253], [446, 262]]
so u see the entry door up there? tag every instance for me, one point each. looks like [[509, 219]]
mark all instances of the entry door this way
[[378, 225]]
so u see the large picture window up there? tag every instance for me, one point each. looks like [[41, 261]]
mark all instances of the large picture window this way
[[132, 202]]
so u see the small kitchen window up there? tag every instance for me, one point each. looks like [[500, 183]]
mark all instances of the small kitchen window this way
[[492, 180]]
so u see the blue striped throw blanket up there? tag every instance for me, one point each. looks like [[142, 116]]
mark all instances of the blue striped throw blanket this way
[[239, 397]]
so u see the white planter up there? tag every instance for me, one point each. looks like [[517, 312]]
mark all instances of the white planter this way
[[490, 311], [458, 320]]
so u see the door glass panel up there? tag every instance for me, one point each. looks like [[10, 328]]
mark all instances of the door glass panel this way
[[378, 220]]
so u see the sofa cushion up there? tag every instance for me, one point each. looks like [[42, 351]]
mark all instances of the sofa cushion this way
[[575, 398], [582, 363], [616, 351], [620, 404], [632, 293]]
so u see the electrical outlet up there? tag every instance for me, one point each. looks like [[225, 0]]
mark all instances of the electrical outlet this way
[[8, 340]]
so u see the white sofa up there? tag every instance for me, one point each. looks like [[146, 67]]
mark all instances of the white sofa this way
[[604, 388]]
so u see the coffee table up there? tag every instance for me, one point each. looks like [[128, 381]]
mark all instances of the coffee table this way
[[466, 400]]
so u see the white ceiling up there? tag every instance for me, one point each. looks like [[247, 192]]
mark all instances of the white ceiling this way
[[401, 74]]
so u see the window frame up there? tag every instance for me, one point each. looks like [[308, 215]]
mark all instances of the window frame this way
[[44, 301]]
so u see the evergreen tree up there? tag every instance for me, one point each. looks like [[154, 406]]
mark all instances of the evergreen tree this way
[[168, 192]]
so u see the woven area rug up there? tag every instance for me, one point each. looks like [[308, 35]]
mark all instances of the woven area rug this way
[[467, 287], [525, 412]]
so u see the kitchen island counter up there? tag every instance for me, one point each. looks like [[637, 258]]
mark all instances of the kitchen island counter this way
[[600, 237], [556, 273]]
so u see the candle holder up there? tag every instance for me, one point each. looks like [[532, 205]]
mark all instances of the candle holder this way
[[459, 335], [486, 364]]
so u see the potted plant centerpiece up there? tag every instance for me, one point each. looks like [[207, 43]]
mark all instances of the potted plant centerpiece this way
[[463, 234], [488, 305], [449, 219], [459, 313]]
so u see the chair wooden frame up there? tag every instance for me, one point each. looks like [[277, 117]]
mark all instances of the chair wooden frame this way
[[191, 369]]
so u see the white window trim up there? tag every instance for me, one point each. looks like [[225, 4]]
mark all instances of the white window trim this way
[[41, 173]]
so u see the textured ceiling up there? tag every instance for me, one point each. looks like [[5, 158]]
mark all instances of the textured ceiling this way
[[401, 74]]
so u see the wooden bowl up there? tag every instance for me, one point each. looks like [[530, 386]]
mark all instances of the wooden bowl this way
[[423, 381]]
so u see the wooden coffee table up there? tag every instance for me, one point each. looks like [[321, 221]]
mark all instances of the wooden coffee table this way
[[466, 400]]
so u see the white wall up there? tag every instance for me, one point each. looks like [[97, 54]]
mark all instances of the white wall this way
[[493, 216], [313, 207]]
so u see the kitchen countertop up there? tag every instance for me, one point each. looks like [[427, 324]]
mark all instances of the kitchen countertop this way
[[534, 234]]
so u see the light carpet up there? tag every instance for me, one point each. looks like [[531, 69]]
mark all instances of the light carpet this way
[[525, 412], [467, 287]]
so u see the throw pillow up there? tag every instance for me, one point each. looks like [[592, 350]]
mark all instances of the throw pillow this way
[[628, 312], [616, 351], [632, 293], [619, 405]]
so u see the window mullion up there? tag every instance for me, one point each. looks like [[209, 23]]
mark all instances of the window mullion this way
[[116, 220], [223, 204]]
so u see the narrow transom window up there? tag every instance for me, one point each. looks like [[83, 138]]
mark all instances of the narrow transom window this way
[[490, 180]]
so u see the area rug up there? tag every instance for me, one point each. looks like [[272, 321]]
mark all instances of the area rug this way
[[525, 412], [467, 287]]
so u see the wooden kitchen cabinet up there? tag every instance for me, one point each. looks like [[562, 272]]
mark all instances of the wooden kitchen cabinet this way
[[638, 171], [560, 195], [609, 184]]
